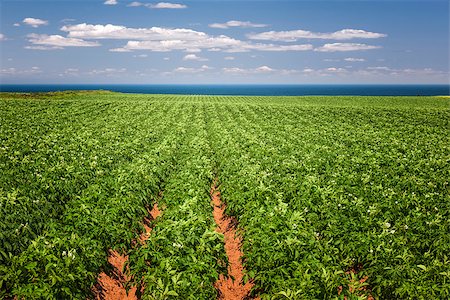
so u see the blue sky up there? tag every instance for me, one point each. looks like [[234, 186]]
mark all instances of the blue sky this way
[[292, 42]]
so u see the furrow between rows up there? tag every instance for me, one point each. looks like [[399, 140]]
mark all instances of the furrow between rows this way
[[233, 286]]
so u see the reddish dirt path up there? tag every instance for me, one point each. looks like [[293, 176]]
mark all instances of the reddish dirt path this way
[[231, 287], [351, 288], [112, 287]]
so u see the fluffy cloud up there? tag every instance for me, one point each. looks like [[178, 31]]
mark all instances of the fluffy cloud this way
[[110, 2], [135, 4], [194, 57], [34, 22], [160, 5], [229, 58], [57, 41], [379, 68], [43, 48], [17, 72], [107, 71], [191, 70], [234, 23], [2, 37], [342, 47], [295, 35], [71, 71], [220, 43], [276, 48], [257, 71], [168, 5], [109, 31], [159, 39], [352, 59], [141, 56], [336, 70], [374, 72]]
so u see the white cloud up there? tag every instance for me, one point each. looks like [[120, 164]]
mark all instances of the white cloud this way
[[220, 43], [168, 5], [160, 5], [58, 41], [16, 72], [8, 71], [378, 72], [192, 70], [2, 37], [107, 72], [71, 70], [229, 58], [110, 2], [352, 59], [119, 50], [109, 31], [342, 47], [141, 55], [16, 24], [264, 69], [135, 4], [380, 68], [34, 22], [277, 48], [194, 57], [233, 23], [44, 48], [327, 72], [295, 35], [336, 70], [166, 58], [167, 39], [257, 71], [405, 73], [193, 50]]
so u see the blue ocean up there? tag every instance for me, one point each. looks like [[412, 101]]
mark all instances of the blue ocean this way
[[256, 90]]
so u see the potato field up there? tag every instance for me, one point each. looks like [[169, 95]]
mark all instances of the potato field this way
[[331, 197]]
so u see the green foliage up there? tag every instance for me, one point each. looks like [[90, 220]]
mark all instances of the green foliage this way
[[184, 255], [319, 185], [324, 187]]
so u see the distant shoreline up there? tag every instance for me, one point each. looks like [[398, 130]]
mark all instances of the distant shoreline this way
[[245, 89]]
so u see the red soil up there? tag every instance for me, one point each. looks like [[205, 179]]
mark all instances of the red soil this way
[[232, 286], [352, 290], [154, 213], [112, 287]]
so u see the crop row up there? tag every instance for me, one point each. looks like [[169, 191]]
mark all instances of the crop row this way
[[184, 254]]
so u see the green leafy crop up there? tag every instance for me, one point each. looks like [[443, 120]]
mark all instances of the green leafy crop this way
[[336, 197]]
